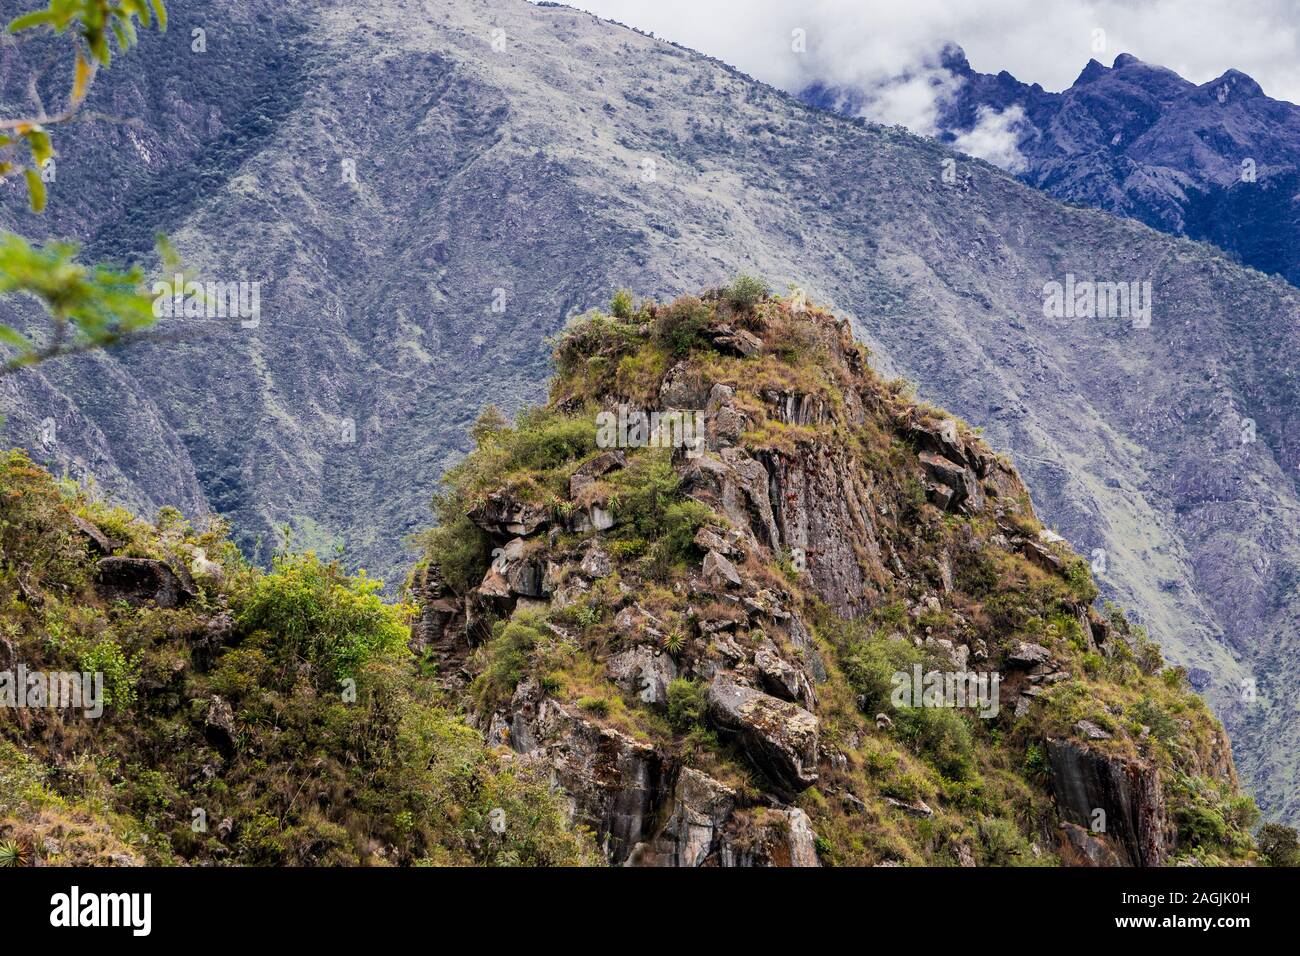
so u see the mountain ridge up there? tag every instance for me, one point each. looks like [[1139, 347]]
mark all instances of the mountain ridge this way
[[1216, 161]]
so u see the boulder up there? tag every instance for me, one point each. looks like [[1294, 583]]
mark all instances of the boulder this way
[[1091, 731], [1026, 655], [504, 517], [596, 562], [586, 474], [141, 581], [778, 736], [956, 487], [96, 540], [1128, 791], [724, 424], [1041, 554], [781, 678], [738, 342], [720, 572], [940, 438], [219, 726], [682, 388], [715, 539], [643, 672], [917, 808], [738, 486], [699, 809]]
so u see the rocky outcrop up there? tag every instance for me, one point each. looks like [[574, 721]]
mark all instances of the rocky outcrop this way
[[846, 503], [705, 828], [141, 581], [615, 784], [1128, 794], [643, 672], [219, 726]]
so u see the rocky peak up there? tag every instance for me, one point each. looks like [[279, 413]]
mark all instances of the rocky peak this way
[[713, 552]]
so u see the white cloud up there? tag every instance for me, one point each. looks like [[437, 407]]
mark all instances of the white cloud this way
[[994, 138], [912, 100], [864, 43]]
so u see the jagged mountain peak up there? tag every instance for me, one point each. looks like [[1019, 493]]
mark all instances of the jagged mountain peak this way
[[728, 613]]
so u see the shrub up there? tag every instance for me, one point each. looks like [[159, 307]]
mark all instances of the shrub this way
[[317, 613], [1149, 713], [1279, 844], [939, 735], [654, 509], [121, 674], [622, 304], [593, 336], [687, 703], [870, 665], [1200, 824], [507, 659], [746, 292], [1003, 844], [678, 325], [1035, 761]]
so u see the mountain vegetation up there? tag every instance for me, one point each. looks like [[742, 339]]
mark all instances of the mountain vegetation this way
[[497, 194]]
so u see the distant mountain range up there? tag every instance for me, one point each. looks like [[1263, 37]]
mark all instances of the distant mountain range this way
[[1219, 162], [500, 191]]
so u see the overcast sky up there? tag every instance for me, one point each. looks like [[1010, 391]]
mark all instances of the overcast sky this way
[[1046, 41]]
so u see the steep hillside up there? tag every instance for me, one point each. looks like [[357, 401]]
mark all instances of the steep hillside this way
[[238, 716], [501, 189], [701, 629]]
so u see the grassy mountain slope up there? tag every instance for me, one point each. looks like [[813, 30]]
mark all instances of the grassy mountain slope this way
[[250, 717]]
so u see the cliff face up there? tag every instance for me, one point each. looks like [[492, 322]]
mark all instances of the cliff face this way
[[703, 642]]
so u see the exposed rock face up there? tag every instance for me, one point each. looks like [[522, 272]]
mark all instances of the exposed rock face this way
[[1127, 792], [438, 631], [643, 672], [615, 783], [1137, 139], [140, 581]]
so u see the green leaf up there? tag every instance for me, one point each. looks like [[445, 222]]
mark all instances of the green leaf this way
[[160, 12], [29, 20], [39, 141], [13, 338], [36, 189]]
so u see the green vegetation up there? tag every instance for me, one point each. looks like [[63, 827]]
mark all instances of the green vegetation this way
[[590, 589], [342, 752]]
